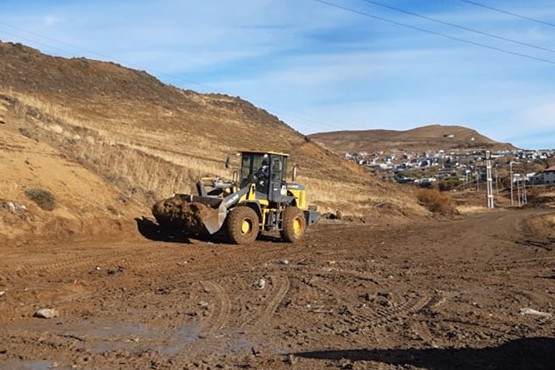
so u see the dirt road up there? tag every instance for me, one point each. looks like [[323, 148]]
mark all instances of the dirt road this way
[[477, 292]]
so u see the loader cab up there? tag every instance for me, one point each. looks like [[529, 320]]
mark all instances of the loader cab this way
[[267, 171]]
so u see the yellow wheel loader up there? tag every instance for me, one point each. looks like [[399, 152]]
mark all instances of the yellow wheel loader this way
[[258, 200]]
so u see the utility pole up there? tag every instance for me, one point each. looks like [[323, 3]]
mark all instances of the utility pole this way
[[511, 178], [489, 183], [496, 180], [524, 196], [518, 189], [521, 190]]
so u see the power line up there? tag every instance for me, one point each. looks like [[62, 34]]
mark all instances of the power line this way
[[509, 13], [459, 26], [365, 14]]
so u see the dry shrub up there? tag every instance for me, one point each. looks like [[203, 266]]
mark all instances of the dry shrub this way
[[43, 198], [436, 202], [540, 227]]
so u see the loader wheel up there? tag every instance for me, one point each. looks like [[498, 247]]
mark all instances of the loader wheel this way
[[294, 224], [242, 225]]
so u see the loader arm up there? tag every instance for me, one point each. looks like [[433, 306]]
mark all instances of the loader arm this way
[[214, 221]]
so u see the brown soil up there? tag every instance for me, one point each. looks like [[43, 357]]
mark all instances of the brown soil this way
[[472, 293], [177, 214]]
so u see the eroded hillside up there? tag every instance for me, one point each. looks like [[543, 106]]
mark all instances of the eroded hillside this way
[[43, 191], [147, 140]]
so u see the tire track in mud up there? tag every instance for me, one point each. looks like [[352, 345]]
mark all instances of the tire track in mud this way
[[380, 321], [166, 267], [151, 257], [283, 284], [228, 262], [351, 273], [523, 263], [328, 288], [46, 265], [377, 335], [528, 299], [280, 288], [160, 259], [324, 289], [80, 262], [160, 263], [421, 329], [384, 316], [387, 315], [222, 308], [438, 298], [211, 265]]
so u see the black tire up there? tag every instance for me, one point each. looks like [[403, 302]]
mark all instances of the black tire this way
[[242, 225], [294, 224]]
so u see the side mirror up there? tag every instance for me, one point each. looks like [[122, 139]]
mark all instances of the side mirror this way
[[227, 162]]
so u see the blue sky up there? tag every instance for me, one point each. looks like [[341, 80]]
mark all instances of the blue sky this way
[[327, 65]]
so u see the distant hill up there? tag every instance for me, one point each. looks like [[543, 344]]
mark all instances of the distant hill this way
[[133, 139], [432, 137]]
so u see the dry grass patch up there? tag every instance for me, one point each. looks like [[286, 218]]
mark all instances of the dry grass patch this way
[[436, 202], [541, 227], [469, 209], [358, 199]]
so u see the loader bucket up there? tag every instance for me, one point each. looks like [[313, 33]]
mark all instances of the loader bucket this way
[[190, 213]]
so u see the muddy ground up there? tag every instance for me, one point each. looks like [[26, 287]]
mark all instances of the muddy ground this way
[[473, 293]]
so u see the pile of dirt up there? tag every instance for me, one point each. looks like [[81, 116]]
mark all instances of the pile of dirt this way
[[175, 213], [46, 195]]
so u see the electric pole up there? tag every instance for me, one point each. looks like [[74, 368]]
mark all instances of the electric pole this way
[[489, 183]]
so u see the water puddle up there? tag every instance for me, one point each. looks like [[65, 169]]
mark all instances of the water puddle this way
[[28, 365], [183, 337]]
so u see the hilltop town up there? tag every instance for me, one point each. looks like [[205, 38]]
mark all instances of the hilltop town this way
[[446, 155], [458, 167]]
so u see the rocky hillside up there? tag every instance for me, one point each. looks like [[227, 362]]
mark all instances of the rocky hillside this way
[[432, 137], [139, 140]]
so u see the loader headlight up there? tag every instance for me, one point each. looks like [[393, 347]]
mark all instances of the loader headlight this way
[[283, 190]]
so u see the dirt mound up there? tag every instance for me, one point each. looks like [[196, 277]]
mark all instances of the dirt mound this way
[[177, 214], [44, 192]]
